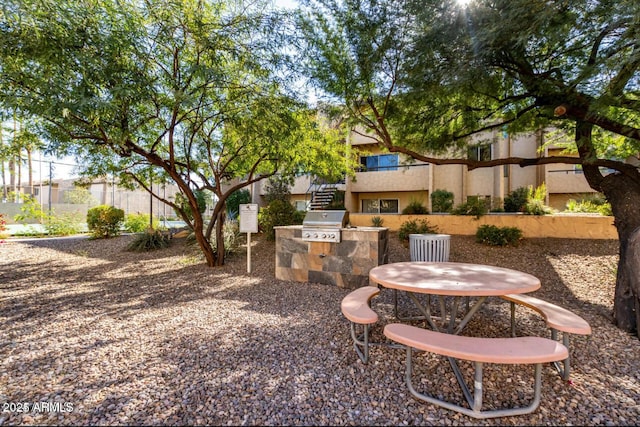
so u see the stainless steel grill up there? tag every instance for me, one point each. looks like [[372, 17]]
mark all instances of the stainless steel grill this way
[[324, 226]]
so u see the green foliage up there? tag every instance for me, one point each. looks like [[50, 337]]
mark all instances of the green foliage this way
[[3, 226], [420, 226], [476, 206], [337, 203], [377, 221], [516, 200], [79, 195], [441, 201], [535, 201], [230, 234], [278, 188], [595, 204], [498, 236], [104, 221], [139, 222], [278, 213], [150, 241], [415, 208], [63, 225], [235, 199], [182, 201], [55, 225]]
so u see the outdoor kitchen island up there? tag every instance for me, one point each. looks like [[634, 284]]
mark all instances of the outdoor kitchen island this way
[[324, 250]]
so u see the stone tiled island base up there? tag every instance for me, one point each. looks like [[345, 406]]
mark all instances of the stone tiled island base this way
[[345, 264]]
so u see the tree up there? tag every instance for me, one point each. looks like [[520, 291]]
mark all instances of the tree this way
[[185, 91], [428, 76]]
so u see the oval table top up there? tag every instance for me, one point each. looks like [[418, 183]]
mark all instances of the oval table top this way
[[453, 279]]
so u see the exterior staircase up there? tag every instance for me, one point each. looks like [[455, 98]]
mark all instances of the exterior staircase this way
[[322, 197]]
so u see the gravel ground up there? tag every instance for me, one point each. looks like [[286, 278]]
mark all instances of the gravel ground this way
[[94, 335]]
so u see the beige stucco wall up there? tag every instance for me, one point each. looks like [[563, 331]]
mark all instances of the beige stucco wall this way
[[561, 226]]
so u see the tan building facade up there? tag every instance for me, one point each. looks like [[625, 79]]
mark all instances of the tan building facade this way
[[388, 182]]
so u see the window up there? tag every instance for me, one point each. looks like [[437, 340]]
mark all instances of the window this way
[[381, 162], [479, 153], [301, 205], [380, 206]]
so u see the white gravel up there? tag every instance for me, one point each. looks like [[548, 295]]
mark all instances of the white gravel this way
[[94, 335]]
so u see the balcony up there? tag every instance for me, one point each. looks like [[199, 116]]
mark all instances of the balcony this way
[[404, 178], [567, 181]]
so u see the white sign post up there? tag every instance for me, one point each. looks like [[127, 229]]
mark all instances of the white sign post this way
[[249, 224]]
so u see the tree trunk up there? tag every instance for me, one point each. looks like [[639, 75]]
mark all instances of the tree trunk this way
[[220, 237], [622, 190], [623, 193]]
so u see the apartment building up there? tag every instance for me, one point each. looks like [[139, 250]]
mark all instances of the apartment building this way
[[388, 182]]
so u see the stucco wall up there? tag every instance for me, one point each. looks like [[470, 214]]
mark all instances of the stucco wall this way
[[562, 226]]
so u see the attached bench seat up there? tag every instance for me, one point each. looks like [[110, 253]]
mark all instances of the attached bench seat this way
[[557, 319], [356, 307], [522, 350]]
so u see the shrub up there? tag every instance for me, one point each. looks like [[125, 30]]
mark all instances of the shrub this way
[[516, 200], [498, 236], [235, 199], [414, 208], [138, 222], [376, 221], [278, 213], [63, 225], [231, 237], [150, 241], [535, 201], [413, 226], [3, 227], [595, 204], [475, 206], [441, 201], [104, 221], [182, 201]]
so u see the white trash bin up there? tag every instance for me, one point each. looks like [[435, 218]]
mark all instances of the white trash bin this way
[[429, 247]]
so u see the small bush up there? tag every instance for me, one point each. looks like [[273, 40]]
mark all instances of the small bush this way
[[516, 200], [104, 221], [475, 206], [498, 236], [63, 225], [3, 227], [413, 226], [377, 221], [414, 208], [441, 201], [278, 213], [150, 241], [535, 201], [138, 222], [337, 203], [595, 204]]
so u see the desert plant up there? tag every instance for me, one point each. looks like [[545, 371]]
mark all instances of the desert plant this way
[[104, 221], [413, 226], [475, 206], [138, 222], [414, 208], [441, 201], [535, 201], [498, 236], [516, 200], [377, 221], [150, 241]]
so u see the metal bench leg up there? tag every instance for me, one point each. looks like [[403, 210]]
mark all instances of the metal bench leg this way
[[476, 404], [513, 319], [361, 341], [565, 369]]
